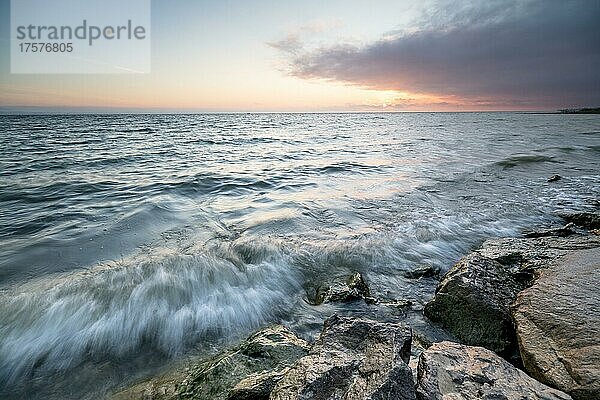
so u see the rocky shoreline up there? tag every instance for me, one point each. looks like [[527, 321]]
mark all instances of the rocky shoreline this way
[[525, 313]]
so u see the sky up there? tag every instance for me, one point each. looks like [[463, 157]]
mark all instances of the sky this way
[[340, 55]]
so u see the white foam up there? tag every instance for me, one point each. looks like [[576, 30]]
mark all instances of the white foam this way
[[169, 301]]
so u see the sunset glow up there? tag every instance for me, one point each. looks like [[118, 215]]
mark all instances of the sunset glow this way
[[210, 56]]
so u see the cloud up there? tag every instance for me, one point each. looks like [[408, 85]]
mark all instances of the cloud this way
[[290, 44], [536, 53], [295, 39]]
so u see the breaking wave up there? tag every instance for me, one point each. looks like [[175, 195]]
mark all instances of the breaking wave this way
[[168, 302]]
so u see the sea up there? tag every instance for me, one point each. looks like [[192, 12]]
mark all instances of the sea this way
[[132, 243]]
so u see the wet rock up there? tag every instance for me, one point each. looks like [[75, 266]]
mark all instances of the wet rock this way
[[352, 359], [554, 178], [164, 388], [560, 232], [558, 325], [399, 304], [449, 370], [424, 271], [353, 287], [472, 302], [523, 255], [586, 220], [271, 349], [256, 386], [275, 344]]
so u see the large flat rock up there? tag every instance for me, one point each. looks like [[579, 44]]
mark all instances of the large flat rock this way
[[558, 324], [453, 371], [534, 254]]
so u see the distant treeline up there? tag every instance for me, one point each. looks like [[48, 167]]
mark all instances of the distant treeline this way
[[587, 110]]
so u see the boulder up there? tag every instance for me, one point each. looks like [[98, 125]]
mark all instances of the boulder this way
[[449, 370], [352, 359], [563, 231], [558, 325], [344, 289], [423, 271], [269, 350], [472, 302], [586, 220]]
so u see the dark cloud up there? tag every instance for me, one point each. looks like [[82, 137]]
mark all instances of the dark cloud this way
[[544, 53]]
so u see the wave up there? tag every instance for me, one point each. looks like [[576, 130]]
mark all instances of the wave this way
[[167, 302], [174, 297], [516, 161], [139, 130], [347, 167], [213, 184], [55, 190]]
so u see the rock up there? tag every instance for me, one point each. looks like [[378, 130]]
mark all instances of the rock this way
[[164, 388], [586, 220], [561, 232], [256, 386], [399, 304], [472, 302], [276, 344], [424, 271], [416, 350], [523, 255], [271, 349], [352, 359], [449, 370], [344, 289], [554, 178], [472, 299], [558, 325]]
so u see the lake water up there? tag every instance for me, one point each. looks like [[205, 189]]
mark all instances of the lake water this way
[[129, 242]]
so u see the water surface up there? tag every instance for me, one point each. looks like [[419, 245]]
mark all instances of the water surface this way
[[128, 242]]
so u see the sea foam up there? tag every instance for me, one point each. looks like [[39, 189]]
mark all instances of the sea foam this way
[[168, 301]]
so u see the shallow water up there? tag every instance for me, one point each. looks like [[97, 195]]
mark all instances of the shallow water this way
[[130, 241]]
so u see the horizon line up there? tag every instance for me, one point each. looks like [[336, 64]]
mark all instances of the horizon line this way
[[32, 110]]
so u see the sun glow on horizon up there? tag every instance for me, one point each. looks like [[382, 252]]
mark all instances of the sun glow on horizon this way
[[337, 56]]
